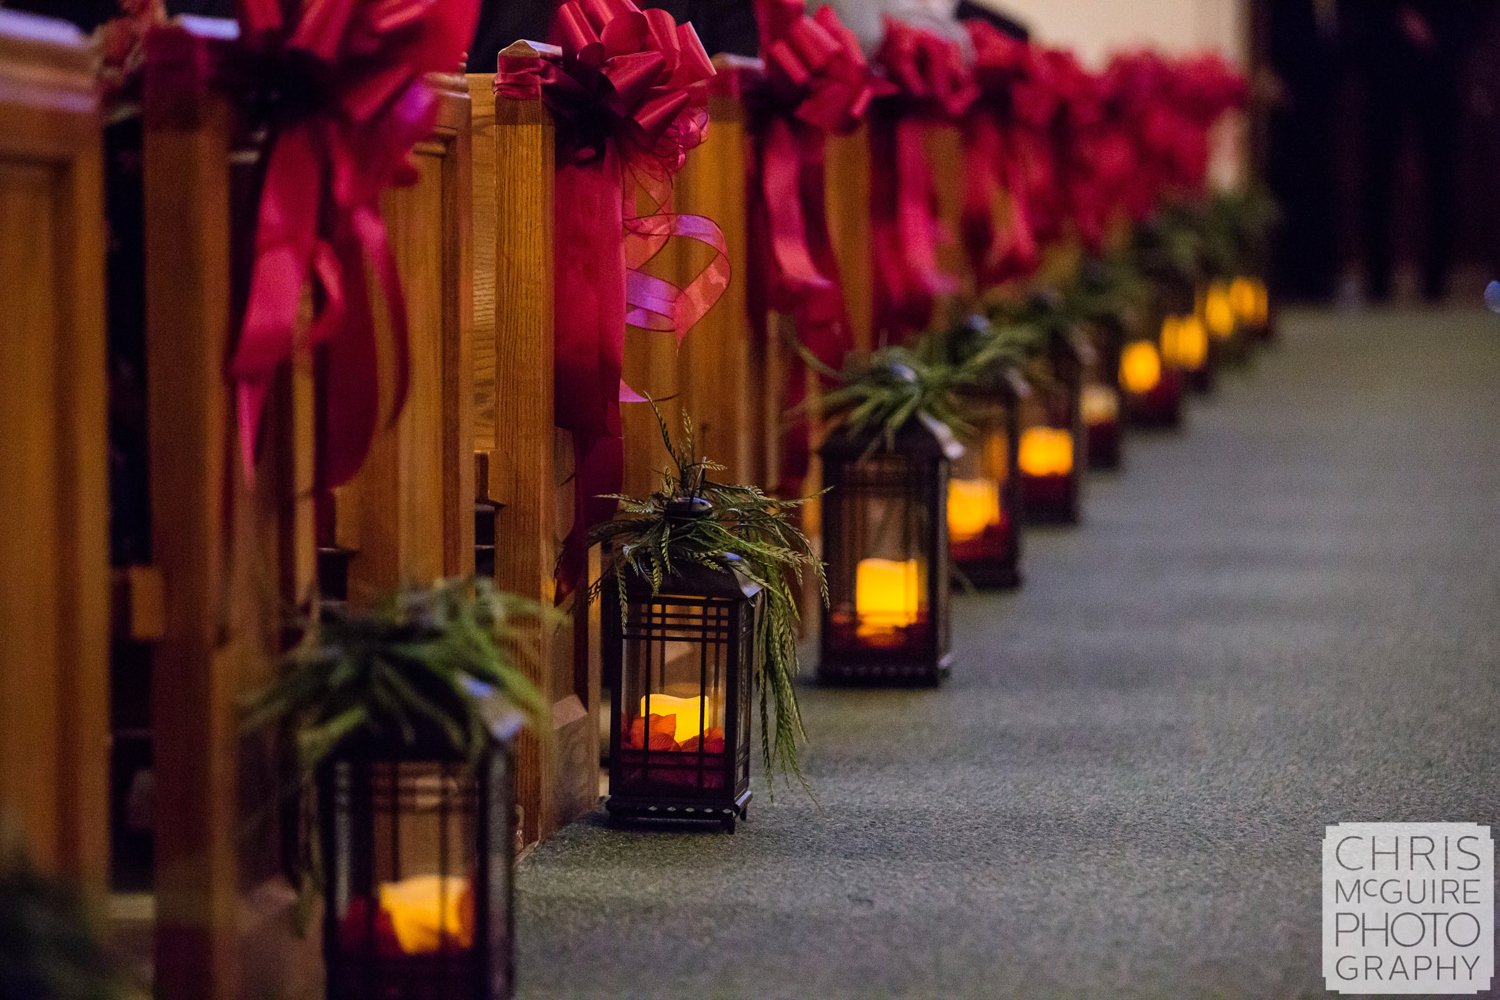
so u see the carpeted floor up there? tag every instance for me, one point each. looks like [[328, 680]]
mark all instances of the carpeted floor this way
[[1286, 616]]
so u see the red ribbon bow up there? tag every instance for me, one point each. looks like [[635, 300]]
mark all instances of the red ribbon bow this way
[[1004, 137], [816, 81], [927, 80], [622, 94], [1166, 111], [350, 75]]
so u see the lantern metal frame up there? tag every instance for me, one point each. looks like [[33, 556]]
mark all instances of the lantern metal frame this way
[[913, 470], [1161, 406], [1106, 441], [365, 792], [994, 560], [1229, 350], [716, 612], [1058, 499]]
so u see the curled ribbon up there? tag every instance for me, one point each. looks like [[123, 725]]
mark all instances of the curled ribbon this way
[[928, 81], [816, 81], [621, 90], [342, 90]]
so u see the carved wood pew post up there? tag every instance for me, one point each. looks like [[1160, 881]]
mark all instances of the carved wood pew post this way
[[721, 364], [54, 564], [848, 186], [945, 151], [529, 461], [409, 513], [232, 555]]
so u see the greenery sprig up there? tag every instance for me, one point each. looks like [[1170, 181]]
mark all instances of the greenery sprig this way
[[879, 393], [49, 941], [1186, 243], [427, 660], [648, 543]]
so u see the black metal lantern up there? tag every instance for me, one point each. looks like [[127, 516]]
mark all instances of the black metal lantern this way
[[1053, 448], [984, 497], [1251, 303], [885, 542], [1100, 401], [1151, 386], [1228, 332], [1186, 345], [683, 659], [418, 847]]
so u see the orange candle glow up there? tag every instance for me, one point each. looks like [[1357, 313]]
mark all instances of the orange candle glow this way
[[427, 911], [685, 713], [1101, 405], [1218, 310], [973, 506], [1249, 299], [1140, 367], [1046, 451], [885, 596], [1184, 341]]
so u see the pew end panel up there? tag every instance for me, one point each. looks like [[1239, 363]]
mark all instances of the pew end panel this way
[[55, 591], [530, 460]]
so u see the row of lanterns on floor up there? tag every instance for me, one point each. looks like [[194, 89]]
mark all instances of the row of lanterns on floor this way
[[418, 851], [897, 524]]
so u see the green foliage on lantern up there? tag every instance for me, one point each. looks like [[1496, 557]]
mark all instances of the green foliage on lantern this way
[[427, 660], [49, 942], [650, 543]]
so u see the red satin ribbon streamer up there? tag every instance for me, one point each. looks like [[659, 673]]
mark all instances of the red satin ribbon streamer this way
[[929, 82], [356, 69], [626, 110], [816, 81]]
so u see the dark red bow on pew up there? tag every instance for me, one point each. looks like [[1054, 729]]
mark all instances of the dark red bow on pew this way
[[996, 138], [622, 94], [928, 81], [816, 82], [341, 86], [1168, 109], [1086, 164]]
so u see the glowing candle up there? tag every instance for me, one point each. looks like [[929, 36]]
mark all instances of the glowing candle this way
[[1140, 367], [686, 711], [1184, 341], [885, 596], [1218, 310], [973, 505], [1244, 299], [427, 911], [1101, 405], [1046, 451]]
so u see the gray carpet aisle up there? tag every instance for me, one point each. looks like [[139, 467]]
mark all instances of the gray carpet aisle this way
[[1287, 616]]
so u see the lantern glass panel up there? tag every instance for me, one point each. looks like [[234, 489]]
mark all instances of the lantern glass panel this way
[[419, 884], [983, 496], [885, 543], [879, 571], [1051, 453], [682, 702]]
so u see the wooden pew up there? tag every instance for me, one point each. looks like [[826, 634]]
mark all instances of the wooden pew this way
[[848, 186], [945, 151], [529, 462], [721, 366], [408, 516], [54, 568], [232, 556]]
